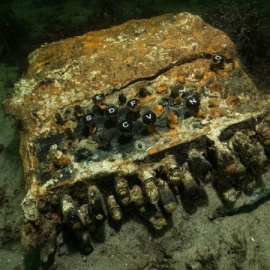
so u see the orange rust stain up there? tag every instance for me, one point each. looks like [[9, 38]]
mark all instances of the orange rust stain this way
[[153, 150], [199, 89], [216, 112], [91, 43], [209, 75], [102, 106], [158, 110], [175, 143], [181, 79], [172, 120], [213, 102], [162, 88], [173, 132], [201, 114], [146, 100]]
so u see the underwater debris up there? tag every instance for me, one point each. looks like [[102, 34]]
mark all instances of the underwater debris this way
[[130, 118]]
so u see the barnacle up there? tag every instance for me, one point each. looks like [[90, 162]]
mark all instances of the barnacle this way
[[135, 139]]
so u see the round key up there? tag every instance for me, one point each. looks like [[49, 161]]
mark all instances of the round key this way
[[125, 126], [217, 58], [98, 98], [88, 119], [111, 111], [149, 118], [193, 102], [133, 103]]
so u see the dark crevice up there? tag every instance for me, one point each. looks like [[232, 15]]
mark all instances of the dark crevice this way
[[163, 70]]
